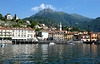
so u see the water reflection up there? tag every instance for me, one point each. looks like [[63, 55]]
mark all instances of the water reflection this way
[[57, 54]]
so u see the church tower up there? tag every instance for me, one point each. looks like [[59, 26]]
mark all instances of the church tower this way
[[60, 27]]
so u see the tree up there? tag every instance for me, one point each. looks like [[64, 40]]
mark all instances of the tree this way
[[75, 29], [33, 24], [1, 16], [15, 17], [5, 17], [38, 29]]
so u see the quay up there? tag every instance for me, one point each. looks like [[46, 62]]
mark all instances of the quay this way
[[6, 42], [45, 42]]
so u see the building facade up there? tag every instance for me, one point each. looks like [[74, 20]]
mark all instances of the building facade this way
[[23, 34], [70, 35], [5, 32], [84, 38], [58, 36], [43, 34], [93, 36]]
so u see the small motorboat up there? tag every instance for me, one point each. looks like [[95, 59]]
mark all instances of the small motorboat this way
[[51, 43], [71, 43]]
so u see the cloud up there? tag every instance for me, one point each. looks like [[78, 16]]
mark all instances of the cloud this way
[[42, 6]]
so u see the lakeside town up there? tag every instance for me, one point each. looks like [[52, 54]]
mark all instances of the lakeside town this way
[[49, 32], [29, 34]]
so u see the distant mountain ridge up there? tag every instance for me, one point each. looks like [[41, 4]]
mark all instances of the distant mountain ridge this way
[[80, 17], [50, 17], [64, 18]]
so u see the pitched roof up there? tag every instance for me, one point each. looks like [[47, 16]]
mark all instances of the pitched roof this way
[[16, 28]]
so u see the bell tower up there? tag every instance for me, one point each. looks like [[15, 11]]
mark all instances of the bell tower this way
[[60, 27]]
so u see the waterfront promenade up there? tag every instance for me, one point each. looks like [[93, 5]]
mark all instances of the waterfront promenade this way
[[46, 42], [5, 41]]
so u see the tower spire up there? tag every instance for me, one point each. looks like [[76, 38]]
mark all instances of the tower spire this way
[[60, 27]]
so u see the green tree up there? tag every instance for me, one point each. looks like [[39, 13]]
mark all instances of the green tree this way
[[0, 16], [5, 18], [75, 29], [15, 17], [38, 29], [33, 24]]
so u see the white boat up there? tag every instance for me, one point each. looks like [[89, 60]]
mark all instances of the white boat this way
[[71, 43], [51, 43]]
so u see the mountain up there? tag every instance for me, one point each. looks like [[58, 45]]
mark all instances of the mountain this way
[[94, 25], [40, 19], [81, 18], [53, 18], [64, 18]]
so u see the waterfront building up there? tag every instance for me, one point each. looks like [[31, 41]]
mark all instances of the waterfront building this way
[[99, 36], [23, 34], [50, 37], [9, 17], [43, 34], [93, 36], [70, 35], [85, 32], [84, 37], [58, 35], [5, 32]]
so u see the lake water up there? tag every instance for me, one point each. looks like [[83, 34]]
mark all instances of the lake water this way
[[50, 54]]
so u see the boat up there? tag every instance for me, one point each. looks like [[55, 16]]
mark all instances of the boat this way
[[51, 43], [71, 43]]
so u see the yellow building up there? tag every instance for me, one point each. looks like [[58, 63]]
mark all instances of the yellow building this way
[[58, 35], [93, 36], [69, 35]]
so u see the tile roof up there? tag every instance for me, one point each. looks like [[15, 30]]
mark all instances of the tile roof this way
[[17, 28]]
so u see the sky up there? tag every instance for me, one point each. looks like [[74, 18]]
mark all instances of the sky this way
[[26, 8]]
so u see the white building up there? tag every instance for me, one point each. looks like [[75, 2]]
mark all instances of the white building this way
[[5, 32], [42, 24], [17, 18], [44, 35], [9, 17], [84, 37], [28, 22], [37, 26], [23, 34]]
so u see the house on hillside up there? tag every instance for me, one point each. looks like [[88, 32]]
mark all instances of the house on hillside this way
[[9, 17]]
